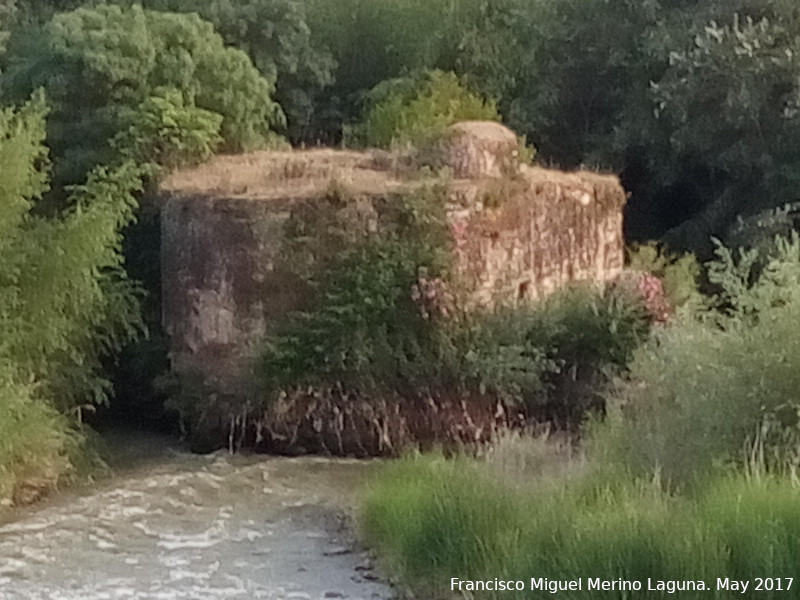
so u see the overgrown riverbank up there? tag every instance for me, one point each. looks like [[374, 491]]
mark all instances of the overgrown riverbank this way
[[111, 96], [691, 476]]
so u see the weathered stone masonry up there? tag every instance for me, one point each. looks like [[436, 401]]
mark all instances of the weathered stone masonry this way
[[521, 233]]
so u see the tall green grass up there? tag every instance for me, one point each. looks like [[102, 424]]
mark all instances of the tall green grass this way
[[36, 443], [436, 519]]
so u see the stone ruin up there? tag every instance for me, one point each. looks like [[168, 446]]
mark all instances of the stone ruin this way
[[521, 233]]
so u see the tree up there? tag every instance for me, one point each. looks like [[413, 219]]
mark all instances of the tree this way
[[584, 63], [276, 37], [482, 41], [745, 71], [167, 132], [373, 41], [101, 66], [65, 300]]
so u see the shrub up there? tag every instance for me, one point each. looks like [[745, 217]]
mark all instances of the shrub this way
[[648, 290], [166, 131], [583, 326], [34, 442], [417, 110], [65, 302], [703, 389], [498, 357], [587, 337], [365, 329], [385, 317], [679, 274], [387, 320]]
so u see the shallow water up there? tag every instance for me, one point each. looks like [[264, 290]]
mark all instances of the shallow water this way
[[181, 526]]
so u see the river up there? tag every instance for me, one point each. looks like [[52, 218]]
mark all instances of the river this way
[[171, 525]]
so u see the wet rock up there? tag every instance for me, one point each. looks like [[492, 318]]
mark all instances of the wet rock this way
[[367, 565]]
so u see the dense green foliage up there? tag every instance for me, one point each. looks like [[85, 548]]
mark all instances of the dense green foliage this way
[[364, 330], [35, 440], [167, 132], [637, 97], [691, 475], [126, 84], [276, 37], [640, 97], [437, 519], [65, 301], [718, 380], [105, 69], [624, 85], [373, 42], [680, 274], [417, 110]]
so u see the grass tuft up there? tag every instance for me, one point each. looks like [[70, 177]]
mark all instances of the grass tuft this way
[[436, 519]]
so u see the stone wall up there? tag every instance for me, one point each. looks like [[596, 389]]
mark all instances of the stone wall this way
[[520, 232], [222, 285], [520, 240]]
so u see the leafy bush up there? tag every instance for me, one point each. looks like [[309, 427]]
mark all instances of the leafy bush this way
[[498, 358], [100, 65], [587, 337], [417, 110], [65, 300], [167, 132], [678, 273], [701, 393], [435, 519], [35, 441], [583, 327], [364, 329], [759, 231], [385, 318]]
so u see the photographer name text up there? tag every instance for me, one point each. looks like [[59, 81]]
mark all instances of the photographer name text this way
[[553, 586]]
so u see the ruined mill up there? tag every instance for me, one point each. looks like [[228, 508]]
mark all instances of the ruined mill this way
[[523, 232]]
